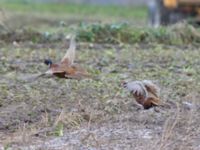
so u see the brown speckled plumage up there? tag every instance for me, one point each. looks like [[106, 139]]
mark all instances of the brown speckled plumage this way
[[145, 92]]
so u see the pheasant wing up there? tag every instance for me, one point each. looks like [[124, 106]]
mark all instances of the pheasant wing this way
[[151, 87], [137, 88], [76, 72]]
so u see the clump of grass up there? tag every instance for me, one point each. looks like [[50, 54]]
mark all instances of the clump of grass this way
[[183, 33], [178, 34], [111, 33], [28, 34]]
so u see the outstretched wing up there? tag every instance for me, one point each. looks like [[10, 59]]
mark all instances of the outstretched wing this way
[[76, 72], [137, 88], [151, 87], [70, 53]]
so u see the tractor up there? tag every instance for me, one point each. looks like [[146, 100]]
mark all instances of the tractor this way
[[165, 12]]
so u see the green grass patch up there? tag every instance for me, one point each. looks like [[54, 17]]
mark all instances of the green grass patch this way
[[114, 33], [81, 9], [178, 34]]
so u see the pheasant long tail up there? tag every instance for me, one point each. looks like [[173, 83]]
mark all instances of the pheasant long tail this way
[[70, 53]]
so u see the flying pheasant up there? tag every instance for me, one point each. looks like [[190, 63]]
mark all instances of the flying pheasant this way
[[66, 68], [145, 92]]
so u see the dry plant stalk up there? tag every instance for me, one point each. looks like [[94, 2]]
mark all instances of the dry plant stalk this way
[[3, 18], [168, 129], [190, 118], [93, 138]]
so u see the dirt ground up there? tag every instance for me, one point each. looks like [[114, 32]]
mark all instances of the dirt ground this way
[[57, 114]]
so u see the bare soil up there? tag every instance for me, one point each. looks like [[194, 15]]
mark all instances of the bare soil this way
[[99, 114]]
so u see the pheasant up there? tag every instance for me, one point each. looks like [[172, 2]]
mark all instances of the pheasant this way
[[145, 92], [66, 68]]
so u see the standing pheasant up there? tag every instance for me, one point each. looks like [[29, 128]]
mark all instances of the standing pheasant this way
[[145, 92]]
